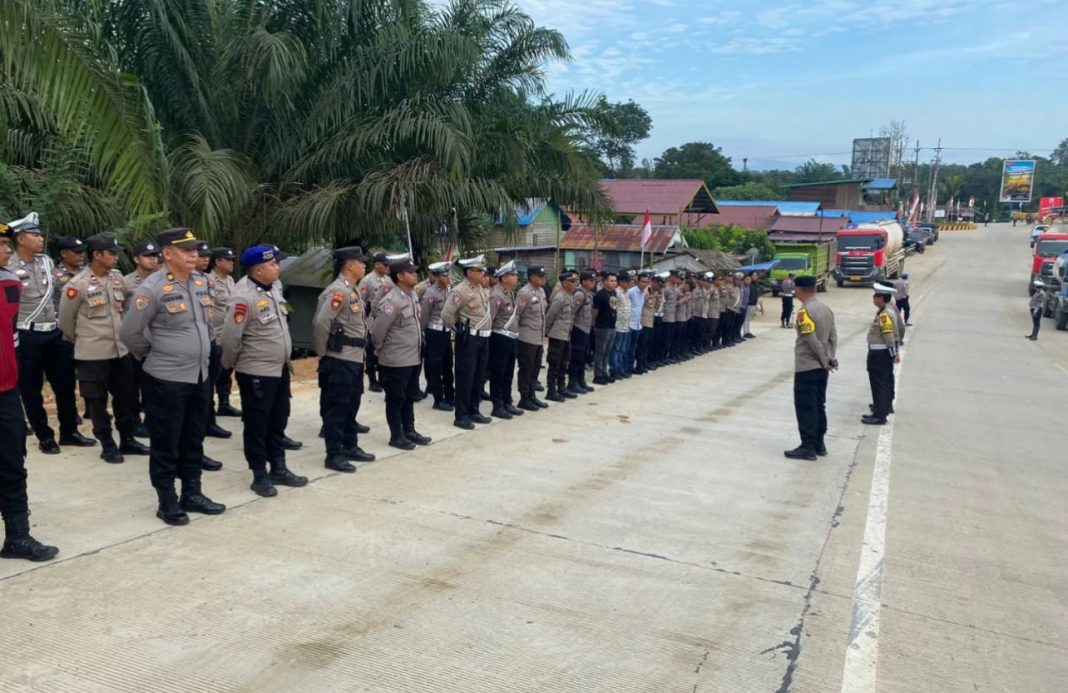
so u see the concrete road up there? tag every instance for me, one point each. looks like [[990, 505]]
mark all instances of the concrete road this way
[[648, 537]]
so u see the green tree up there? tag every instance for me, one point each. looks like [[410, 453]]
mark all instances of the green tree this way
[[813, 171], [751, 190], [731, 239], [701, 160], [619, 128], [1059, 157]]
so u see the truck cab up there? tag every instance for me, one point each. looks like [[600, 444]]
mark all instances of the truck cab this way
[[870, 253], [1048, 246]]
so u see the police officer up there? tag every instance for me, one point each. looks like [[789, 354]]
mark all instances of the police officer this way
[[168, 328], [559, 320], [814, 359], [882, 355], [503, 342], [339, 334], [14, 504], [71, 252], [467, 311], [646, 321], [222, 279], [214, 430], [398, 340], [657, 351], [372, 288], [42, 351], [90, 316], [531, 309], [256, 344], [146, 262], [581, 325], [437, 340], [671, 302], [715, 310], [786, 291], [901, 297]]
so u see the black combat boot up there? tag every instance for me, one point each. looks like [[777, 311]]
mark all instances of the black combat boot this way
[[214, 430], [131, 446], [261, 484], [110, 452], [553, 395], [282, 476], [194, 501], [562, 388], [512, 409], [225, 409], [416, 437], [340, 464], [358, 454], [19, 544], [169, 510], [500, 412]]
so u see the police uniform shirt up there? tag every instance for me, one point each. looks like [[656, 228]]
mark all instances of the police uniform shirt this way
[[222, 289], [883, 332], [468, 304], [398, 336], [340, 305], [38, 279], [715, 302], [902, 287], [372, 288], [502, 309], [168, 326], [682, 305], [658, 304], [817, 337], [648, 314], [899, 324], [583, 310], [559, 317], [255, 335], [131, 281], [734, 298], [531, 314], [671, 300], [62, 275], [787, 288], [431, 304], [90, 315]]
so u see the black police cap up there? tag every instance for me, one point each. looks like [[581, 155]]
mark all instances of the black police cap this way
[[805, 282]]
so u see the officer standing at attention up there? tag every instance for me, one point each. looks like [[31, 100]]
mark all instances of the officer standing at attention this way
[[670, 305], [786, 291], [503, 342], [339, 334], [14, 504], [1038, 300], [90, 316], [42, 352], [438, 344], [71, 253], [882, 355], [531, 309], [398, 338], [168, 328], [558, 322], [146, 261], [467, 311], [814, 359], [372, 288], [901, 297], [214, 430], [581, 325], [256, 344], [221, 274]]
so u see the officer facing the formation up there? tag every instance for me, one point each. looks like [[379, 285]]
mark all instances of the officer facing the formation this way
[[14, 503], [901, 297], [814, 359], [882, 355], [90, 316], [372, 288], [339, 334], [530, 306], [437, 344], [221, 276], [467, 311], [1035, 306], [146, 261], [168, 329], [504, 342], [398, 338], [71, 253], [786, 291], [256, 344], [558, 322], [581, 326], [42, 352]]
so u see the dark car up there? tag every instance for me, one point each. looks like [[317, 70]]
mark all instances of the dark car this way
[[929, 231]]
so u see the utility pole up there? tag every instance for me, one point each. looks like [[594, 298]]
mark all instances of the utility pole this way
[[916, 168], [932, 199]]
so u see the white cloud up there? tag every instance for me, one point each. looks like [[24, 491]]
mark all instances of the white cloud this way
[[744, 45]]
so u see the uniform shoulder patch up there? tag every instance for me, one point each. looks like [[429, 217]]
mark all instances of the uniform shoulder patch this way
[[456, 298], [141, 302], [886, 323], [805, 325], [240, 311], [388, 309], [72, 292], [336, 300]]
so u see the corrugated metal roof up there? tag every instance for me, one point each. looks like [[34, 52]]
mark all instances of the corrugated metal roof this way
[[881, 184], [621, 237], [755, 218], [635, 195], [789, 207], [525, 249], [863, 216], [839, 181], [709, 259], [807, 224]]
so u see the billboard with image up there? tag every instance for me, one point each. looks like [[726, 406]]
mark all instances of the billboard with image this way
[[1017, 180]]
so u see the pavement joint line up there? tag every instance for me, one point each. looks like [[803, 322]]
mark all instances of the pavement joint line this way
[[972, 626]]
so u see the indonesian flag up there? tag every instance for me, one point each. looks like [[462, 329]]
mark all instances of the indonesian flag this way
[[647, 230]]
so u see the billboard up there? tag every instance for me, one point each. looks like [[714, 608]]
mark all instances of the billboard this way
[[871, 157], [1017, 179]]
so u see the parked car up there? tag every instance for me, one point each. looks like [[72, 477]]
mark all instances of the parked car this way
[[914, 242], [930, 232], [1038, 231]]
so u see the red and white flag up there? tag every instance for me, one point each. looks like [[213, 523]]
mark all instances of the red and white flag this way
[[647, 230]]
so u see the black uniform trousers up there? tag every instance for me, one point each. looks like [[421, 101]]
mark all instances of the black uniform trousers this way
[[139, 387], [645, 341], [529, 360], [810, 405], [576, 367], [669, 339], [97, 379], [401, 386], [370, 362], [787, 309], [265, 414], [341, 390], [176, 415], [502, 358], [438, 364], [880, 376], [472, 356], [13, 500], [656, 349], [904, 308], [224, 384], [47, 355], [559, 357], [214, 373], [713, 331]]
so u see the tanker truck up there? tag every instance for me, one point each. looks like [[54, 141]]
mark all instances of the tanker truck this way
[[869, 253]]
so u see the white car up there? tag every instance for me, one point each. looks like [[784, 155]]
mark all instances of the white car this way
[[1037, 231]]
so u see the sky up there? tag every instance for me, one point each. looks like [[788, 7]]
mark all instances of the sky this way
[[782, 81]]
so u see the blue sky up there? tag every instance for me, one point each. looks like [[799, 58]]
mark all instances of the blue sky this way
[[779, 81]]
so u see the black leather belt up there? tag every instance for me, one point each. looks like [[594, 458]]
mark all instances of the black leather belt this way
[[354, 341]]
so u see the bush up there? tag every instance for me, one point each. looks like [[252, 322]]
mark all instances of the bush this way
[[730, 239]]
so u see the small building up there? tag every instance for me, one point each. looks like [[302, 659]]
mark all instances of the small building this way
[[617, 246], [533, 242], [784, 207], [845, 193], [752, 217], [789, 228], [683, 202], [696, 260]]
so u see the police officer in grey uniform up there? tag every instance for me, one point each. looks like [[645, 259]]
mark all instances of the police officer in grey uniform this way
[[146, 256], [502, 352], [815, 357], [256, 344], [670, 308], [223, 284], [214, 430], [168, 328], [437, 345], [581, 325], [558, 322], [531, 310], [467, 312], [339, 335], [42, 351], [883, 352], [90, 316], [398, 338], [372, 288], [71, 252]]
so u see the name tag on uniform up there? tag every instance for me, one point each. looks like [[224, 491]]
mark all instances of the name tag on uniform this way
[[267, 317], [173, 307]]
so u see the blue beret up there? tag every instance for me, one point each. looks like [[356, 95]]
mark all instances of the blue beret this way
[[258, 254]]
